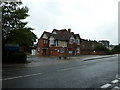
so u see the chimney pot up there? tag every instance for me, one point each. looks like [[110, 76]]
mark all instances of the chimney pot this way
[[69, 30]]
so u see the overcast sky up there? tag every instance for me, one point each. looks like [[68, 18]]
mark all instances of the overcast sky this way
[[92, 19]]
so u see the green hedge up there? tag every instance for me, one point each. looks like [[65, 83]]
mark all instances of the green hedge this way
[[18, 58]]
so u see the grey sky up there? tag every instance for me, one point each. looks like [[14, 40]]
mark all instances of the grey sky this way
[[92, 19]]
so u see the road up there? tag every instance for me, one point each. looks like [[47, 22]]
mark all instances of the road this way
[[73, 74]]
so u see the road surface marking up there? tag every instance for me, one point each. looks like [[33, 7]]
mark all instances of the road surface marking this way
[[115, 81], [106, 85], [116, 87], [65, 69], [21, 76]]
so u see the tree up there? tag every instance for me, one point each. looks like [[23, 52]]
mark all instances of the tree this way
[[14, 30], [116, 49]]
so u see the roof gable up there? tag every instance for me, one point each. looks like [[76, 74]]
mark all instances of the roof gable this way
[[45, 35], [77, 36]]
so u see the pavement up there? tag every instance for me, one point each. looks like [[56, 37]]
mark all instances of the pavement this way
[[35, 61]]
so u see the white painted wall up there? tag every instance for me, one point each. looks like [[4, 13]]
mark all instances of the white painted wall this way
[[54, 32], [72, 37], [45, 36], [51, 38], [33, 52], [62, 44]]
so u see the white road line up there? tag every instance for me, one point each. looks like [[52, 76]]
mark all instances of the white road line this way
[[21, 76], [116, 87], [115, 81], [65, 69], [106, 85]]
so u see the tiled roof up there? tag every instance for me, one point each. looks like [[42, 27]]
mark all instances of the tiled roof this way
[[62, 34]]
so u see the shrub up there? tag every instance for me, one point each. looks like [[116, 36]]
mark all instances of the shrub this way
[[116, 49]]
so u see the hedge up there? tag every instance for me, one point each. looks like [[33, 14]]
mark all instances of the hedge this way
[[17, 58]]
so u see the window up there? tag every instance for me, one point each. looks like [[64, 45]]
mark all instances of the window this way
[[92, 45], [78, 41], [78, 50], [52, 42], [70, 52], [70, 41], [45, 41], [74, 41], [38, 49]]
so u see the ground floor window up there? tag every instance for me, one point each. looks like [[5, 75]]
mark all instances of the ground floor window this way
[[70, 52], [78, 50]]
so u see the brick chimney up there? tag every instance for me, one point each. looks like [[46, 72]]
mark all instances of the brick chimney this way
[[69, 30]]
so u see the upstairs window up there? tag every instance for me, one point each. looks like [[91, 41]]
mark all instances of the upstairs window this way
[[93, 45], [74, 41], [52, 43], [78, 42], [45, 42], [70, 41]]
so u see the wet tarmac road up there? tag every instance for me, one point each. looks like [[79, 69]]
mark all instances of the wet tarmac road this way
[[73, 74]]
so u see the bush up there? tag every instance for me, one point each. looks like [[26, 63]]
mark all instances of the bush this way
[[116, 49], [18, 58]]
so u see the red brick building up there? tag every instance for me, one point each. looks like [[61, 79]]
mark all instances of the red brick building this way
[[87, 47], [59, 43]]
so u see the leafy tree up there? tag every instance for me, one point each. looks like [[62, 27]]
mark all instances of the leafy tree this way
[[14, 30], [116, 49]]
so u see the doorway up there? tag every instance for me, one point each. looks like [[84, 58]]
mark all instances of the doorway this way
[[44, 52], [74, 52]]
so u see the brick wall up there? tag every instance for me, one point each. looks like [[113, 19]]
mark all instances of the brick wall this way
[[87, 47], [43, 48]]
